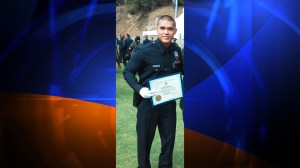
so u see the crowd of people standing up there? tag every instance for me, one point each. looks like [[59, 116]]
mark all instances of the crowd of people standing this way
[[126, 47]]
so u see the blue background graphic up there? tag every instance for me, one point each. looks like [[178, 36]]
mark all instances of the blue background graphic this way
[[242, 75], [57, 83], [60, 48]]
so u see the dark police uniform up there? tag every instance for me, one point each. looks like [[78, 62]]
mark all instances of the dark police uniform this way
[[127, 43], [150, 62], [122, 51], [146, 41]]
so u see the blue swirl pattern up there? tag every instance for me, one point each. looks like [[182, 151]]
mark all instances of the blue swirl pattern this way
[[64, 50], [242, 75]]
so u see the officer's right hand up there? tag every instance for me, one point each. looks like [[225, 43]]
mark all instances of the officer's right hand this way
[[146, 93]]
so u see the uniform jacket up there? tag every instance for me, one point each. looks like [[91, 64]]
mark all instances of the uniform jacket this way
[[151, 61]]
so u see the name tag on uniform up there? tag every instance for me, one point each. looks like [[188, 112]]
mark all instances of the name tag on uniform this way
[[156, 66]]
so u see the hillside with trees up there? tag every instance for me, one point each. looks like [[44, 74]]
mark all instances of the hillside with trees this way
[[141, 15]]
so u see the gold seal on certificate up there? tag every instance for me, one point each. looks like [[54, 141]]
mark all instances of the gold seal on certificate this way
[[158, 98], [167, 88]]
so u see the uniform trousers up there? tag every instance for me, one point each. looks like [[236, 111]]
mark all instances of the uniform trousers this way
[[148, 119], [124, 60]]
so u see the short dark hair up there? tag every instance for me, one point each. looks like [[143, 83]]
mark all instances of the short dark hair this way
[[137, 38], [168, 18]]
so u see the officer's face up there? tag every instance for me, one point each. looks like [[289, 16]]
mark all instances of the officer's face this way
[[166, 31]]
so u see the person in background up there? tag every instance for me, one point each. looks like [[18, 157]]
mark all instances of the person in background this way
[[127, 42], [134, 46], [117, 54], [174, 42], [122, 54], [146, 39]]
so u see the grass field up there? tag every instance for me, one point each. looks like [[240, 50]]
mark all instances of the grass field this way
[[126, 133]]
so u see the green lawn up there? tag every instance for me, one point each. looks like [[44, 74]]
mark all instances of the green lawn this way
[[126, 133]]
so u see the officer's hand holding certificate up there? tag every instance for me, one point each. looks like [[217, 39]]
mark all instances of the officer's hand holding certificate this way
[[167, 88], [146, 93]]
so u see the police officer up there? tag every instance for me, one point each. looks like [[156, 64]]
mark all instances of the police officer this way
[[134, 46], [122, 52], [156, 59], [126, 44], [146, 39]]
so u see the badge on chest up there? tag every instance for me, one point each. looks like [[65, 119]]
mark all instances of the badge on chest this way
[[177, 60]]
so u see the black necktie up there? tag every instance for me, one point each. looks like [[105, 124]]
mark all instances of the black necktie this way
[[167, 60]]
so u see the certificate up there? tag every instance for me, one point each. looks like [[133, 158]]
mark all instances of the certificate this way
[[167, 88]]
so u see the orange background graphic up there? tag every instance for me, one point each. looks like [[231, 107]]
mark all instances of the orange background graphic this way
[[43, 130]]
